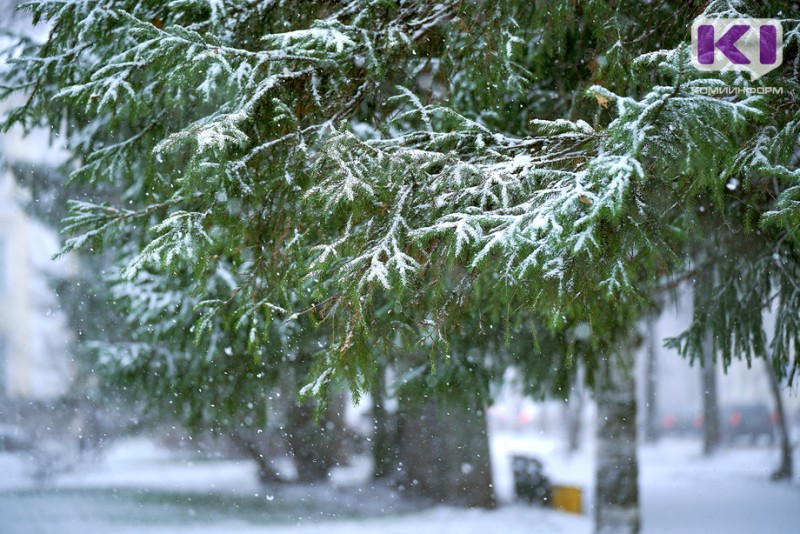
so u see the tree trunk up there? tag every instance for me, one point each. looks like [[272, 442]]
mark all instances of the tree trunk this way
[[712, 436], [786, 468], [573, 414], [445, 454], [384, 453], [652, 428], [266, 474], [316, 445], [616, 486]]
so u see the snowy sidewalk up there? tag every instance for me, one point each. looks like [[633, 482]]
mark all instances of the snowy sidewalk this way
[[139, 489], [681, 491]]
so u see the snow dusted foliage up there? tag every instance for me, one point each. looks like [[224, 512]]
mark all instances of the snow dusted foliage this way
[[207, 116], [603, 214], [373, 162]]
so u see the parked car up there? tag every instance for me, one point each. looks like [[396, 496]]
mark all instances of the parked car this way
[[748, 421], [510, 416], [14, 438], [681, 424]]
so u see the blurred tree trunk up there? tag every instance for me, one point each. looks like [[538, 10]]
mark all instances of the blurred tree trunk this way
[[384, 451], [712, 435], [444, 450], [617, 471], [786, 467], [252, 448], [652, 428], [316, 442], [573, 414], [316, 445]]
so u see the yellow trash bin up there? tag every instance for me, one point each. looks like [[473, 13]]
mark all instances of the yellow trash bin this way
[[566, 499]]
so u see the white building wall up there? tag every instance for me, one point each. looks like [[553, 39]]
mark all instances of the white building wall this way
[[36, 340], [35, 346]]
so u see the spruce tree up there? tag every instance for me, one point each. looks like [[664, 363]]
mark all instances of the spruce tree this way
[[399, 169]]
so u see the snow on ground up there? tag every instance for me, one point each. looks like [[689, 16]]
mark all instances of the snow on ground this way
[[681, 491], [138, 488], [730, 492]]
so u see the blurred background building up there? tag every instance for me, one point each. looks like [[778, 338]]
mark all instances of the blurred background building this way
[[34, 341]]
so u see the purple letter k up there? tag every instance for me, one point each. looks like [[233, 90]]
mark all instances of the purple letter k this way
[[726, 44]]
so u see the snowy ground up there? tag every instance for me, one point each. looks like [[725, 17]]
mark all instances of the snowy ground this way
[[681, 491], [137, 488]]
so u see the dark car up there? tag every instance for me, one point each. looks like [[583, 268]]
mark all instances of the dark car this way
[[14, 438], [748, 422]]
